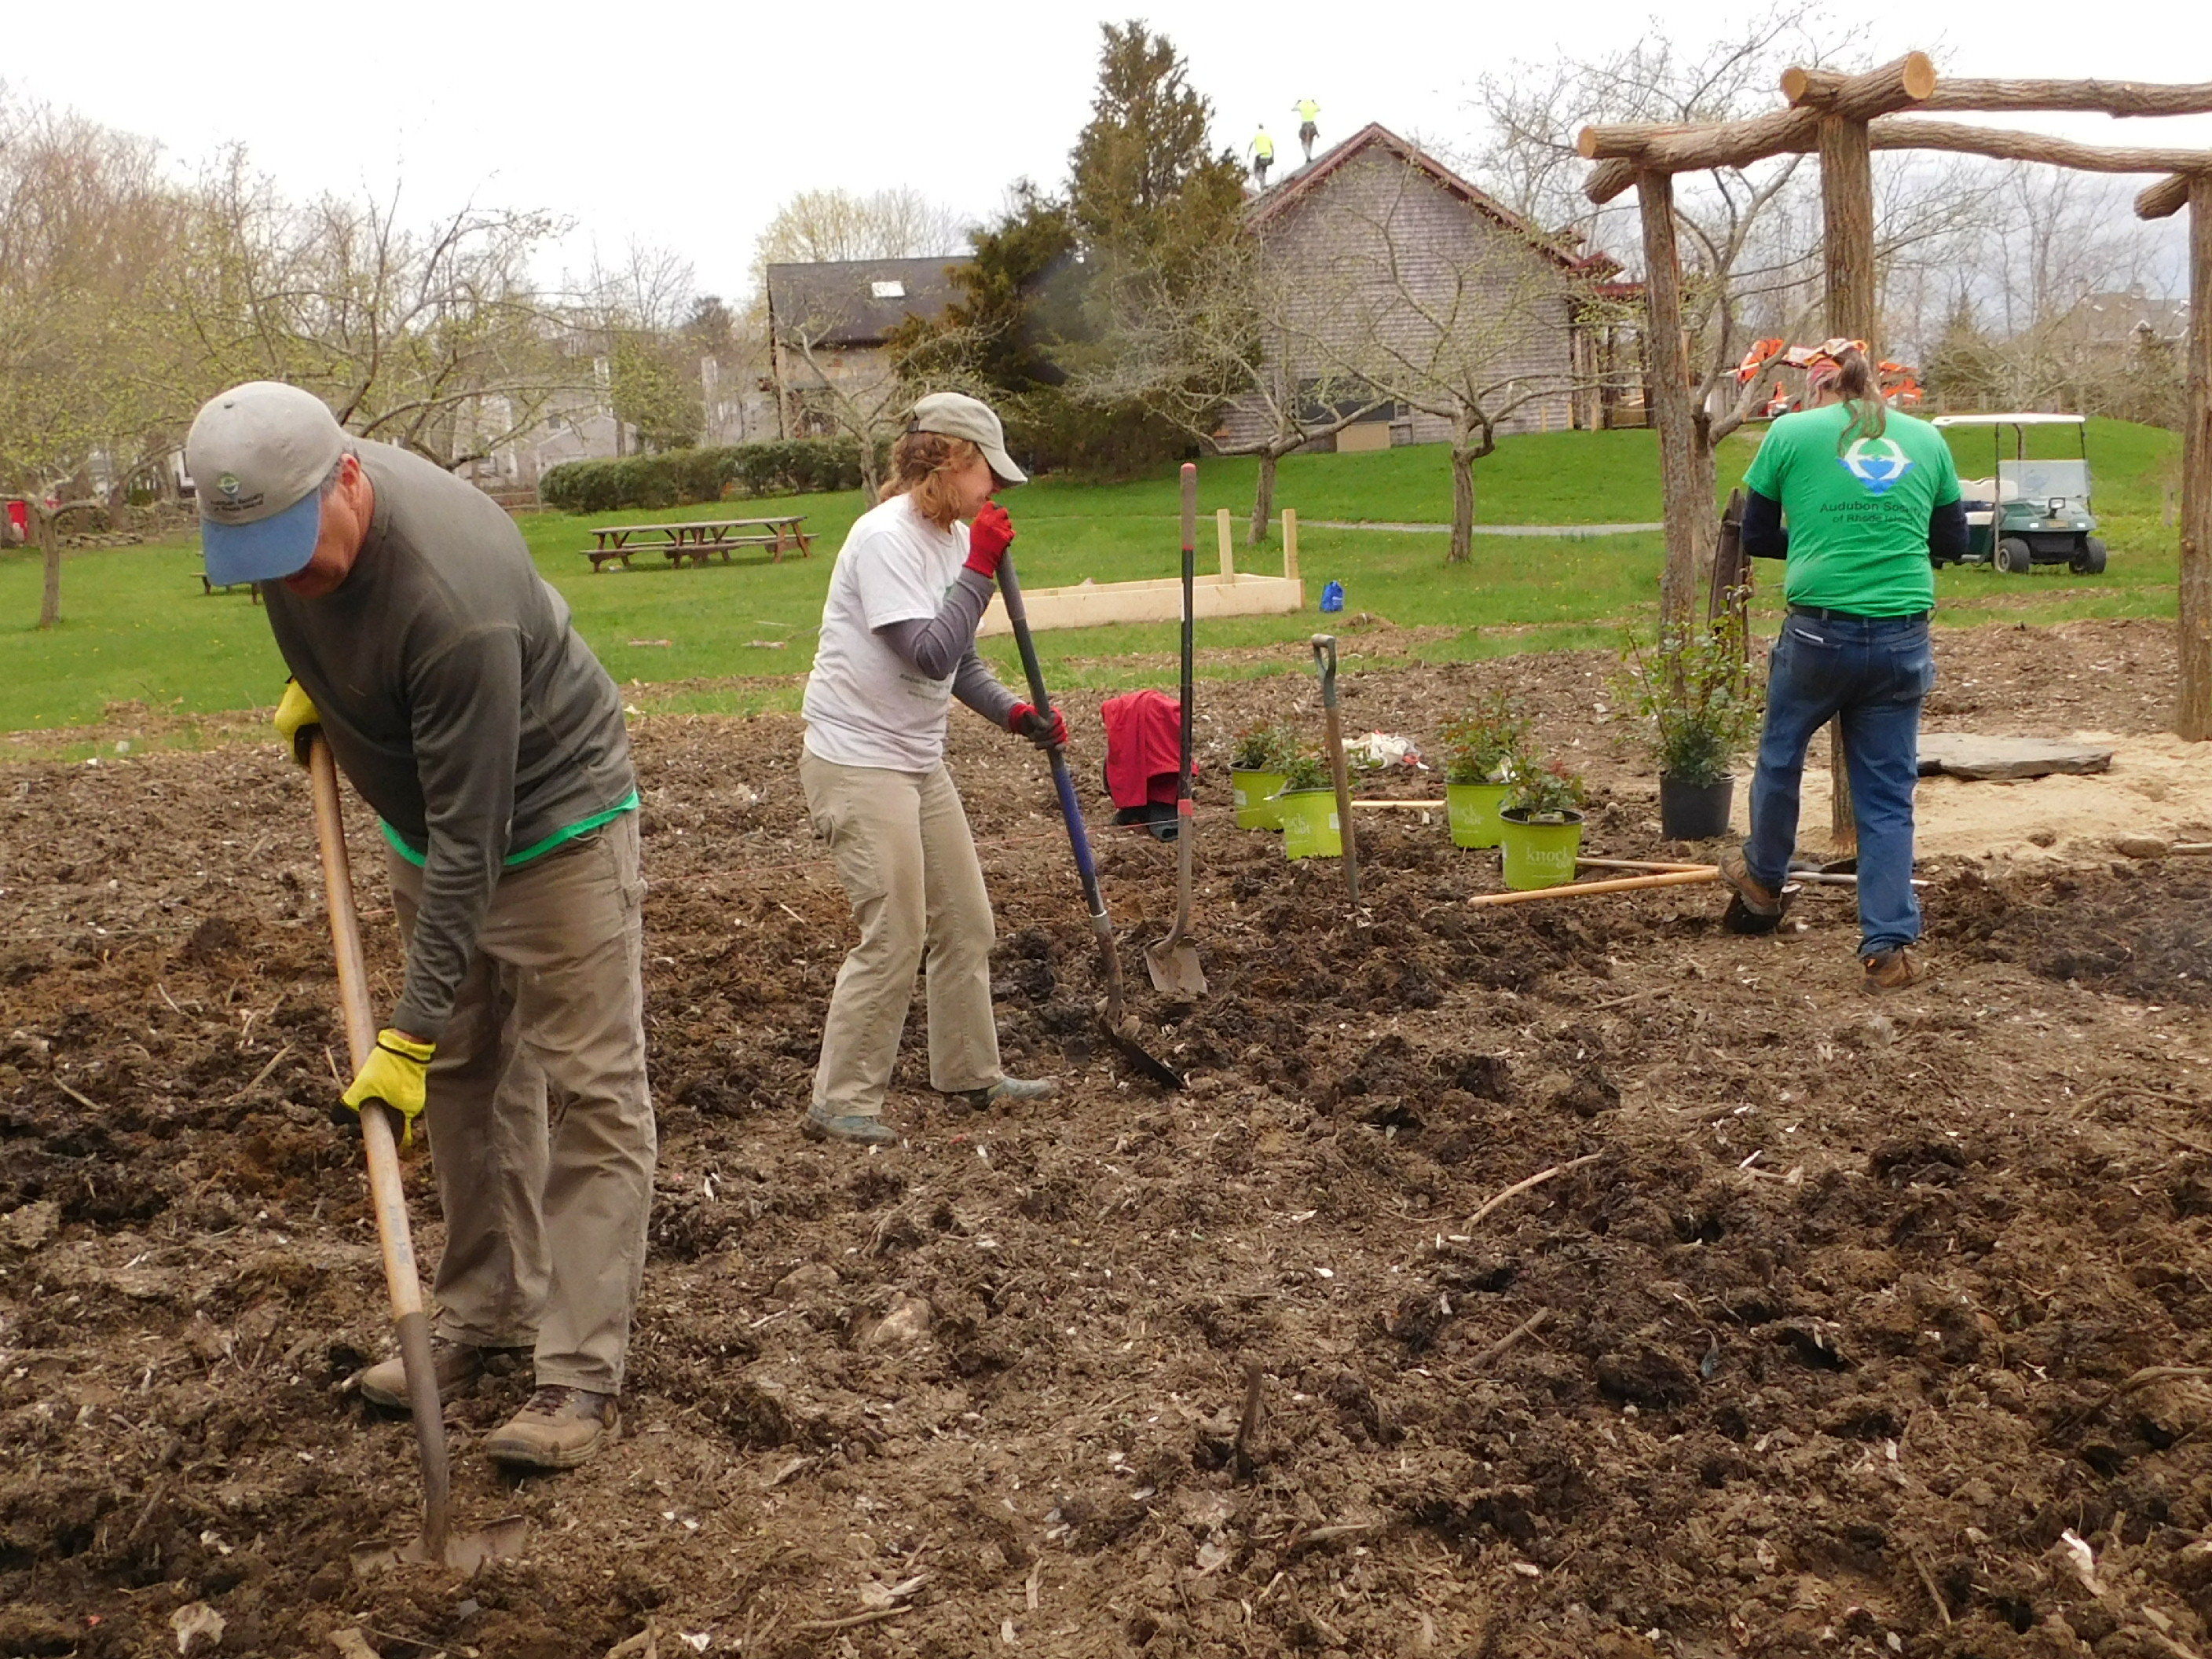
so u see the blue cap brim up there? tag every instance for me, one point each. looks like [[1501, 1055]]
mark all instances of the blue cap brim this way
[[262, 551]]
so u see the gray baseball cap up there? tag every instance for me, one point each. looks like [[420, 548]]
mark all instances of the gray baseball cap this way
[[258, 455], [957, 415]]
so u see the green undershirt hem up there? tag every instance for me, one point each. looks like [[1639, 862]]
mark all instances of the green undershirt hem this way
[[535, 849]]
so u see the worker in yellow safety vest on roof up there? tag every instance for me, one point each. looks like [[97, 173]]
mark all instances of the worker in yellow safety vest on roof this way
[[1307, 111], [1263, 157]]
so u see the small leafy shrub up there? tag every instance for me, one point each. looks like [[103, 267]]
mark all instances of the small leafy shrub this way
[[1480, 745], [1305, 768], [1544, 793], [1698, 704], [1263, 748]]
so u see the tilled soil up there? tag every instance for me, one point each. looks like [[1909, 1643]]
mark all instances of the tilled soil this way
[[1835, 1325]]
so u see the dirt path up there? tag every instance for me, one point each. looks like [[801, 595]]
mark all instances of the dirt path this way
[[1840, 1318]]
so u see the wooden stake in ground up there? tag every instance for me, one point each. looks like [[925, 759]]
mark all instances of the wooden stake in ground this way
[[1621, 885]]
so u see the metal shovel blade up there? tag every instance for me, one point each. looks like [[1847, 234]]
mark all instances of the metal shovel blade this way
[[1173, 961], [463, 1552], [1175, 968]]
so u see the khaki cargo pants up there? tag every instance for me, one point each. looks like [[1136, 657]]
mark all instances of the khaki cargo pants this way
[[901, 844], [541, 1126]]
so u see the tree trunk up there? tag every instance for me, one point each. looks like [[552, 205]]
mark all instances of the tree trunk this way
[[871, 485], [49, 529], [1263, 499], [2193, 716], [1462, 531], [1688, 502]]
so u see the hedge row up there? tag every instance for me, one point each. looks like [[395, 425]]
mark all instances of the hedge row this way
[[798, 467]]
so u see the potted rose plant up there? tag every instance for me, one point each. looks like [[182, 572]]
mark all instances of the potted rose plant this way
[[1255, 773], [1478, 748], [1307, 804], [1700, 712], [1543, 823]]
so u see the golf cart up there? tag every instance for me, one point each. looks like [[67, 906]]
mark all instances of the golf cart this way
[[2029, 512]]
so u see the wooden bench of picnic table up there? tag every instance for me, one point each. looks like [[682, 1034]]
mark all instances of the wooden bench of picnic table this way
[[698, 540], [209, 587]]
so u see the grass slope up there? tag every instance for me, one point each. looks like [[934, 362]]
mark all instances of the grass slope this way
[[135, 627]]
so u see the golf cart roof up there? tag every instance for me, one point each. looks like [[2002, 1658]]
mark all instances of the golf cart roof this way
[[2009, 420]]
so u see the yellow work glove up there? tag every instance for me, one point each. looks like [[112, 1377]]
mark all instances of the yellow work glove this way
[[296, 719], [397, 1072]]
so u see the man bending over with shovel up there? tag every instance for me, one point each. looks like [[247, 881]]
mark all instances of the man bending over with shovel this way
[[461, 704]]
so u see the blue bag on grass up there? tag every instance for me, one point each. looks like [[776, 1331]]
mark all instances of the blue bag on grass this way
[[1332, 597]]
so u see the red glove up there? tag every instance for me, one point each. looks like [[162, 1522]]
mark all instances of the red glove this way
[[988, 538], [1024, 721]]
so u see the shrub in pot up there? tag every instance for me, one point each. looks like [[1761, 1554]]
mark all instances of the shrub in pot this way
[[1307, 806], [1255, 773], [1541, 823], [1700, 712], [1479, 748]]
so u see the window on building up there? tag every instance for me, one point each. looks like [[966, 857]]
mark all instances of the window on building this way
[[891, 290]]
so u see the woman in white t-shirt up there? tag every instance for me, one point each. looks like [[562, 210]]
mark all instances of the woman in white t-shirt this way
[[898, 646]]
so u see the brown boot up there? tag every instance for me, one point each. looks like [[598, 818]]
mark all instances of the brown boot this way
[[1894, 969], [456, 1363], [1753, 907], [559, 1428]]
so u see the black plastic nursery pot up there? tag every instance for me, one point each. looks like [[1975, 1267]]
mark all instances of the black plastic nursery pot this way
[[1694, 811]]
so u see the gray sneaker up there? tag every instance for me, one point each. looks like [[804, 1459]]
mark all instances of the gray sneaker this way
[[1006, 1091], [559, 1428], [821, 1124]]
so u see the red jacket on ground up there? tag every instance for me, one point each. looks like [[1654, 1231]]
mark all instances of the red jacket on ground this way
[[1144, 747]]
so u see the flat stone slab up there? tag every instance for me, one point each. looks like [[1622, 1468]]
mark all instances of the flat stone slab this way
[[1965, 755]]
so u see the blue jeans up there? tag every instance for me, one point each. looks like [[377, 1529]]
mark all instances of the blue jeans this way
[[1871, 674]]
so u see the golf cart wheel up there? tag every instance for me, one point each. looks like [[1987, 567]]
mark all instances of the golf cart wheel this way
[[2089, 559], [2014, 557]]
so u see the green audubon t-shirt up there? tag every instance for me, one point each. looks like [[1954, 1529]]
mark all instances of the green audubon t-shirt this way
[[1858, 510]]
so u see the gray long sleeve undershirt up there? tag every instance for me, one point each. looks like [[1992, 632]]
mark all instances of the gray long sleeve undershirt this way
[[946, 644]]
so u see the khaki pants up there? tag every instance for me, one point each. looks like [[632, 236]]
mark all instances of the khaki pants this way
[[901, 844], [541, 1125]]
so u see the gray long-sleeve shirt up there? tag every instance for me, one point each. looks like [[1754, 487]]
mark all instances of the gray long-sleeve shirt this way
[[946, 644], [460, 702]]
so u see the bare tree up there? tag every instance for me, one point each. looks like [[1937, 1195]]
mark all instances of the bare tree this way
[[819, 225], [1210, 348], [86, 355], [1454, 314], [435, 339]]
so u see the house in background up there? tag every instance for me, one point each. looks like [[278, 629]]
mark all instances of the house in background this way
[[2129, 320], [827, 325], [1375, 242]]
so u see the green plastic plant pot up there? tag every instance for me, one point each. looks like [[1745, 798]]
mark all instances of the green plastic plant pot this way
[[1473, 809], [1310, 830], [1540, 854], [1254, 790]]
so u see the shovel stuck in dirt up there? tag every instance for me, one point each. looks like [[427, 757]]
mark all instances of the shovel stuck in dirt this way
[[465, 1551], [1175, 969], [1119, 1026]]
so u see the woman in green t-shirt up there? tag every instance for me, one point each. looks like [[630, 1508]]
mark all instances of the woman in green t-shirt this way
[[1868, 495]]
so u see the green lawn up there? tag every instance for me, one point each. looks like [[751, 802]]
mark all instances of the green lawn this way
[[135, 627]]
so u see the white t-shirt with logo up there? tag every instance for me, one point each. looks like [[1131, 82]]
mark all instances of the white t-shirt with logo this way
[[864, 705]]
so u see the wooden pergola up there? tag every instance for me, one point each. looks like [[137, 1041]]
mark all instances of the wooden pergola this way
[[1842, 118]]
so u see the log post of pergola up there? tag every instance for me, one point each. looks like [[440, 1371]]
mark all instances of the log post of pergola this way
[[1666, 361], [2192, 717]]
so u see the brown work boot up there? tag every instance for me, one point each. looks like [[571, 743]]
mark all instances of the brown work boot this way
[[559, 1428], [457, 1365], [1754, 907], [1892, 969]]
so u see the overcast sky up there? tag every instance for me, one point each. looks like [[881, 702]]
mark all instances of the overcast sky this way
[[685, 125]]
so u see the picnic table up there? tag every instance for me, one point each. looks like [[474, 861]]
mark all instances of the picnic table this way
[[210, 587], [698, 540]]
